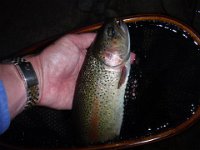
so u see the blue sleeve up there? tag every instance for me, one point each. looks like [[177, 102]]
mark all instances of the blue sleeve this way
[[4, 112]]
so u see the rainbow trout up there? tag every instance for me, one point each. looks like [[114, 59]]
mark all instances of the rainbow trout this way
[[99, 96]]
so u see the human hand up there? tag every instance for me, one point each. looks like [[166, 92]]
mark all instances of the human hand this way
[[57, 68]]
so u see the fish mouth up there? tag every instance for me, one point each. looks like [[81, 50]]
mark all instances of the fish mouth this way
[[125, 33], [122, 25]]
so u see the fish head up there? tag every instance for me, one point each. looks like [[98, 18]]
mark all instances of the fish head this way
[[112, 44]]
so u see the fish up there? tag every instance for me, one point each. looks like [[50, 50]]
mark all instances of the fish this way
[[99, 97]]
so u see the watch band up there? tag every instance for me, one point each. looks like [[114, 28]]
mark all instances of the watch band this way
[[28, 74]]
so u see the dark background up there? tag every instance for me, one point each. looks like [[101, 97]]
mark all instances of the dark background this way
[[25, 22]]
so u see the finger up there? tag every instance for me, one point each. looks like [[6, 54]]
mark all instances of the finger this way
[[82, 41]]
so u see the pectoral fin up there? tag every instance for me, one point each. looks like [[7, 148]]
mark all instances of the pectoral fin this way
[[124, 73]]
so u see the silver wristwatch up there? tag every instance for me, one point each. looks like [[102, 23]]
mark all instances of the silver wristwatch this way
[[28, 74]]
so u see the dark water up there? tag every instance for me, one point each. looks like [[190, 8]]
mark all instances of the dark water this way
[[163, 90]]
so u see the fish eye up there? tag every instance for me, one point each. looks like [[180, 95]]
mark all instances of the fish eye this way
[[110, 32]]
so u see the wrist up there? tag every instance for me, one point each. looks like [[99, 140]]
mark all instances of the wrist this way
[[15, 90]]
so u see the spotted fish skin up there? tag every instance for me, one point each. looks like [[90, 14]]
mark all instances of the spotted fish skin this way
[[99, 98]]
